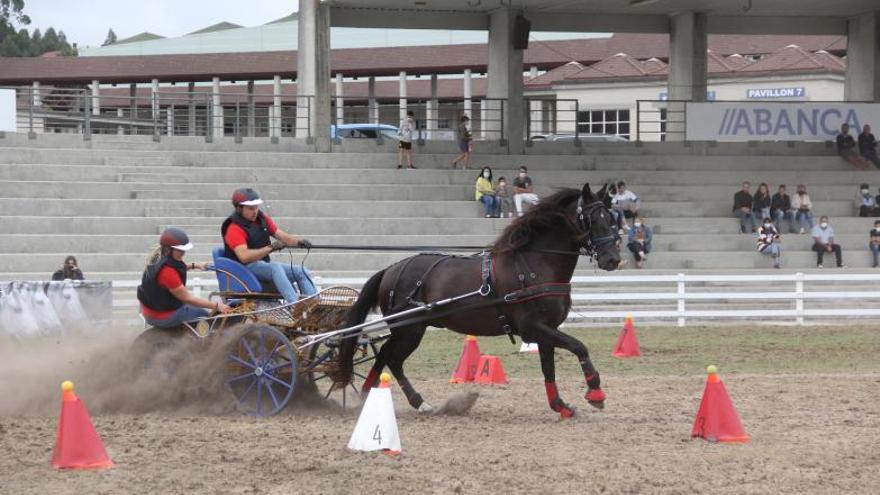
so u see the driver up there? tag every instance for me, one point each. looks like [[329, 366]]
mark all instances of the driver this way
[[247, 239], [165, 300]]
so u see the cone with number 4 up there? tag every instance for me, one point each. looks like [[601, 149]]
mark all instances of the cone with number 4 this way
[[376, 428]]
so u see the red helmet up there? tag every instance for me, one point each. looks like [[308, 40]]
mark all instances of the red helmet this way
[[176, 239], [246, 197]]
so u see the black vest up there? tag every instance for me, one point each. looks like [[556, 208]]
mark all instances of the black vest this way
[[153, 295], [257, 234]]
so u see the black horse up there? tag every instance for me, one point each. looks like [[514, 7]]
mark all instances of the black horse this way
[[521, 286]]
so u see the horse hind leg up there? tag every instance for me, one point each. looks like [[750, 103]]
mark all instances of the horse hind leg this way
[[406, 340]]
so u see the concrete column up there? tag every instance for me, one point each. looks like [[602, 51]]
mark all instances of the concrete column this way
[[535, 119], [216, 108], [372, 105], [133, 107], [154, 98], [484, 131], [432, 109], [251, 111], [169, 121], [191, 125], [340, 100], [35, 94], [119, 128], [313, 70], [402, 94], [467, 91], [687, 68], [96, 97], [505, 82], [863, 58], [275, 117]]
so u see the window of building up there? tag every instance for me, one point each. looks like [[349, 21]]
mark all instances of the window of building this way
[[613, 122], [662, 124]]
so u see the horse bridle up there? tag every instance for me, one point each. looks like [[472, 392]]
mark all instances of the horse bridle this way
[[591, 242]]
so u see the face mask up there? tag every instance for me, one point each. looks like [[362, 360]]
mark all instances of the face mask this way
[[824, 225], [864, 191], [502, 184], [637, 225], [801, 193], [766, 225], [522, 174], [486, 174]]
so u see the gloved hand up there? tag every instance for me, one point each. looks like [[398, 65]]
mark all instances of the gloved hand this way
[[278, 245], [304, 243]]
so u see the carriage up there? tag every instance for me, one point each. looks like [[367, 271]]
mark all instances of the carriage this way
[[257, 344]]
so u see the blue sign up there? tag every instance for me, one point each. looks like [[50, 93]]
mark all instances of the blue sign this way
[[663, 96], [757, 94]]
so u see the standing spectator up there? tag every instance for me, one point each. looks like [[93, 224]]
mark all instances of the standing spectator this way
[[742, 208], [69, 270], [865, 202], [874, 242], [803, 207], [780, 207], [523, 190], [625, 202], [769, 241], [823, 242], [761, 202], [405, 132], [846, 148], [639, 240], [485, 193], [868, 146], [465, 142], [502, 193]]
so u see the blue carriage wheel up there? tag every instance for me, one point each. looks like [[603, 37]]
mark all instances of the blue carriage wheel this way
[[261, 370]]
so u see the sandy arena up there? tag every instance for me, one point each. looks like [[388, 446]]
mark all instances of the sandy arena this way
[[812, 432]]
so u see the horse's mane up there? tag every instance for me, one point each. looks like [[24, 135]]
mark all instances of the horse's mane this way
[[548, 214]]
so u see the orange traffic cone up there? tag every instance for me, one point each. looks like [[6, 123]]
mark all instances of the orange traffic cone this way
[[490, 371], [627, 344], [717, 420], [78, 445], [467, 362]]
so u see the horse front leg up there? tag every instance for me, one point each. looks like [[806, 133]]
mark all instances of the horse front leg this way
[[595, 395], [548, 367]]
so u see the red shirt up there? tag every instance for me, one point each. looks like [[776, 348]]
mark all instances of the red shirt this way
[[236, 236], [168, 278]]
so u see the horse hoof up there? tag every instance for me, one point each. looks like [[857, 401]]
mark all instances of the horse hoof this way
[[426, 409], [596, 398], [566, 413]]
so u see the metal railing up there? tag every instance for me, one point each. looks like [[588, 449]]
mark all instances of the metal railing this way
[[661, 120], [552, 119], [687, 297]]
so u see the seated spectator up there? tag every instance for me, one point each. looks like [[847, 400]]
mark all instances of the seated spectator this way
[[523, 191], [780, 207], [742, 208], [625, 202], [865, 202], [868, 146], [761, 201], [769, 241], [639, 240], [803, 208], [874, 242], [823, 242], [69, 270], [502, 193], [485, 193], [846, 148]]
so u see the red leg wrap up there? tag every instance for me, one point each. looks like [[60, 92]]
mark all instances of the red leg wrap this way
[[555, 402], [372, 377], [595, 395]]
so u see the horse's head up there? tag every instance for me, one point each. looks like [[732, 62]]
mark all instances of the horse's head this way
[[598, 226]]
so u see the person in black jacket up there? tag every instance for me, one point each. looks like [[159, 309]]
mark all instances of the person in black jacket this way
[[69, 270], [742, 208], [165, 300], [761, 201], [846, 148], [780, 208], [868, 146]]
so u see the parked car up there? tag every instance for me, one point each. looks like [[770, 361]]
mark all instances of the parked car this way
[[582, 137], [363, 131]]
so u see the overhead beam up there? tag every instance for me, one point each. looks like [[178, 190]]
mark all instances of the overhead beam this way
[[725, 24], [598, 23], [407, 19]]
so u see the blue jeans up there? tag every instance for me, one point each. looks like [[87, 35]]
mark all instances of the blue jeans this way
[[805, 218], [772, 250], [283, 276], [180, 315], [779, 215], [491, 203], [875, 252], [745, 217]]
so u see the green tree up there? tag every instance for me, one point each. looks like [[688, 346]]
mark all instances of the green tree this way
[[110, 39]]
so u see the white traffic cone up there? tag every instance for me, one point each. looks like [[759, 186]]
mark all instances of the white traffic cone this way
[[376, 428], [533, 347]]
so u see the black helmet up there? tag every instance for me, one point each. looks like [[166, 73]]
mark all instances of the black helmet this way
[[176, 239], [246, 197]]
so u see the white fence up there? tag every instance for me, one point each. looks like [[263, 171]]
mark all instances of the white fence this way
[[598, 298]]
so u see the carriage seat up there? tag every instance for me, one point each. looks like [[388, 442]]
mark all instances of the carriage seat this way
[[241, 279]]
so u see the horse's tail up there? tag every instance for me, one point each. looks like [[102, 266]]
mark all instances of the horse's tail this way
[[368, 299]]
